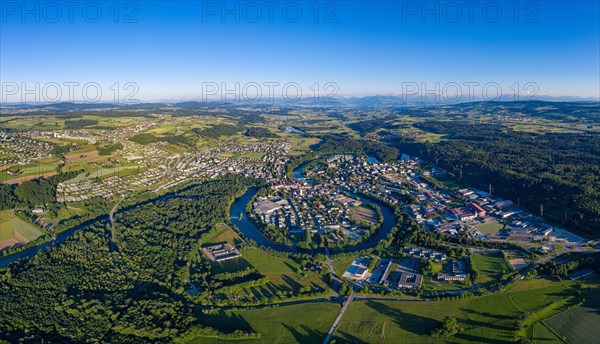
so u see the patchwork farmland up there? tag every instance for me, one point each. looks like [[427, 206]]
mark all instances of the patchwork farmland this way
[[14, 231]]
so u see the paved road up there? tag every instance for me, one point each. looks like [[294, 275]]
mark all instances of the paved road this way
[[339, 318], [382, 298], [580, 248], [335, 279], [112, 212], [112, 225], [329, 263]]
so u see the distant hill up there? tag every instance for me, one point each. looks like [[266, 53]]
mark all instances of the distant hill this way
[[414, 101]]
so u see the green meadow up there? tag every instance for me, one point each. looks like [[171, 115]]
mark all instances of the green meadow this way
[[305, 323], [284, 274], [221, 233], [490, 266], [490, 227], [578, 325]]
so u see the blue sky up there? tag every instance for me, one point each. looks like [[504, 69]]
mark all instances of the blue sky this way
[[171, 49]]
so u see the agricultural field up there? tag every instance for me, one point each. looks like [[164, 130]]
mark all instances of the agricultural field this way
[[543, 126], [83, 156], [5, 225], [489, 319], [254, 155], [13, 230], [232, 155], [302, 145], [29, 172], [543, 334], [430, 137], [579, 325], [101, 172], [305, 323], [393, 321], [490, 266]]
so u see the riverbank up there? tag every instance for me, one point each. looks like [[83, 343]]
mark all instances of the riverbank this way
[[250, 231]]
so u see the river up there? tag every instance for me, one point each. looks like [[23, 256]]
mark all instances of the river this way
[[249, 229], [59, 238], [64, 235]]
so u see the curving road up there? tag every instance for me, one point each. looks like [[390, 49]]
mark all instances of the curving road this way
[[113, 245]]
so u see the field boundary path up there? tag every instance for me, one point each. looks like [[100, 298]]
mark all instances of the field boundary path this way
[[339, 318]]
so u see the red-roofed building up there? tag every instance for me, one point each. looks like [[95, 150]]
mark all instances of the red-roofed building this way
[[477, 209], [463, 214]]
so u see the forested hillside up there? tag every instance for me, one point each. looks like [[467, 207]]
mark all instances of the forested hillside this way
[[560, 172]]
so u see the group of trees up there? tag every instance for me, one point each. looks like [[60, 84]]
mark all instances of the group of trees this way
[[80, 123], [557, 175], [61, 149], [32, 193], [84, 291], [218, 130], [449, 328], [554, 268], [80, 291], [260, 132], [109, 148], [473, 271], [372, 125], [341, 144]]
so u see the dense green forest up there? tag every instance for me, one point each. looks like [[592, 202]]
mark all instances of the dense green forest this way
[[560, 172], [338, 144], [108, 149], [32, 192], [80, 124], [87, 290], [218, 130], [160, 235], [59, 150], [260, 133], [371, 125]]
